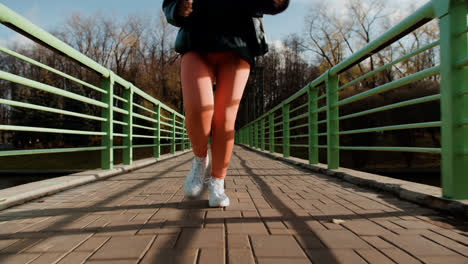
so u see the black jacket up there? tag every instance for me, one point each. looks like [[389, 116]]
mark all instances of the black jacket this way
[[243, 17]]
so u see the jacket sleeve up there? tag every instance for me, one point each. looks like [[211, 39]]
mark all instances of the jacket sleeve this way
[[170, 11]]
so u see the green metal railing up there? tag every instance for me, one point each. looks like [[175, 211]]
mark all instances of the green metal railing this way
[[175, 134], [453, 98]]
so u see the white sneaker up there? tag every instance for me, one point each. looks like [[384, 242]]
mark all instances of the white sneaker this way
[[217, 196], [193, 185]]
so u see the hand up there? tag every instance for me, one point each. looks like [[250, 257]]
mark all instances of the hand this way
[[278, 3], [185, 8]]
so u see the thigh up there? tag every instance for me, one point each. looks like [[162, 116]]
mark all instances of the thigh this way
[[232, 73], [197, 76]]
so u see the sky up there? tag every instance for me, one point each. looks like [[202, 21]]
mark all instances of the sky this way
[[50, 14]]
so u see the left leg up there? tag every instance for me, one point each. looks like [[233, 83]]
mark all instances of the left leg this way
[[231, 77]]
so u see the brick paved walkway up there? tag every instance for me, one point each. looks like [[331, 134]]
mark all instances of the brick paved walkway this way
[[278, 214]]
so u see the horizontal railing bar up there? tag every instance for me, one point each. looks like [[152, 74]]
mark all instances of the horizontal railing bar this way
[[165, 137], [51, 130], [463, 31], [299, 136], [45, 151], [144, 127], [299, 126], [392, 106], [463, 62], [413, 21], [144, 118], [120, 110], [143, 136], [120, 135], [164, 123], [47, 88], [397, 149], [277, 137], [119, 123], [155, 101], [320, 97], [165, 130], [392, 85], [321, 109], [299, 145], [34, 62], [463, 92], [144, 146], [387, 128], [49, 109], [464, 123], [299, 107], [119, 147], [320, 134], [178, 122], [144, 108], [277, 124], [120, 98], [365, 76], [168, 144], [21, 24], [167, 118], [302, 91], [298, 117], [319, 146]]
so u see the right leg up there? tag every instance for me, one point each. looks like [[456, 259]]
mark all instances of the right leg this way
[[197, 77]]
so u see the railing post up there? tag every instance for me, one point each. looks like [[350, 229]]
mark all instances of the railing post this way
[[262, 144], [173, 134], [333, 153], [183, 134], [157, 131], [454, 101], [285, 130], [272, 132], [313, 126], [107, 154], [256, 134], [128, 129]]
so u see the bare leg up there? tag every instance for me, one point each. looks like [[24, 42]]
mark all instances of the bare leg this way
[[197, 91], [232, 73]]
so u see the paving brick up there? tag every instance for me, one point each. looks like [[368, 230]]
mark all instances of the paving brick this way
[[418, 246], [240, 256], [19, 259], [239, 226], [276, 246], [47, 258], [343, 239], [91, 244], [365, 228], [123, 248], [309, 241], [75, 258], [238, 241], [399, 256], [212, 255], [334, 256], [201, 238], [58, 243], [377, 242], [179, 256], [445, 259], [373, 256], [283, 260]]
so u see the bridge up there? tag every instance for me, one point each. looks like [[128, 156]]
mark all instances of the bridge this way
[[283, 208]]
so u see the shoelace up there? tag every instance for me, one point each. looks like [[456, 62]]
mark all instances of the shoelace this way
[[199, 166]]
